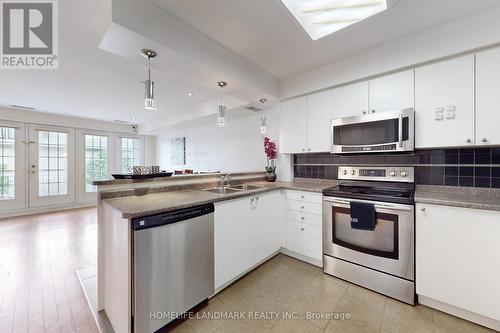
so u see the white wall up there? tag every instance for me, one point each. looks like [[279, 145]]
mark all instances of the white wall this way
[[236, 147], [460, 36]]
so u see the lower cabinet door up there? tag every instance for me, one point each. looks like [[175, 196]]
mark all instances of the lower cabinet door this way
[[304, 239], [267, 225], [233, 239], [458, 257]]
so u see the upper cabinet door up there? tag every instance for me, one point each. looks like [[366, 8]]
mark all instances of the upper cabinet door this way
[[392, 92], [293, 138], [444, 103], [350, 100], [319, 115], [487, 97]]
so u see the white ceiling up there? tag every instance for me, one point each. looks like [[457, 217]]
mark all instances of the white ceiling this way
[[93, 83], [96, 84], [265, 33]]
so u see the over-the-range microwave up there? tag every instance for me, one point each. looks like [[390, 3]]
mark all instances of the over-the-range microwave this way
[[392, 131]]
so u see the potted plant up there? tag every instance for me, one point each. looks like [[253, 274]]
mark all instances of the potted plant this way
[[271, 152]]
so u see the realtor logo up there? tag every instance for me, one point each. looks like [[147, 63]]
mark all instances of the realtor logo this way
[[29, 34]]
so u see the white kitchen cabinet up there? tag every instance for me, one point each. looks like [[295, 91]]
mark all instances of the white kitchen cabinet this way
[[293, 137], [268, 225], [392, 92], [303, 225], [233, 239], [319, 116], [444, 103], [350, 100], [487, 97], [247, 231], [457, 261], [304, 239]]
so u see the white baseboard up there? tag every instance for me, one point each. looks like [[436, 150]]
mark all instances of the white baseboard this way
[[461, 313], [302, 257], [43, 210]]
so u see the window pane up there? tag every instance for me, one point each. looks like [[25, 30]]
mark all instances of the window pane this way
[[7, 163], [52, 161], [96, 159], [130, 154]]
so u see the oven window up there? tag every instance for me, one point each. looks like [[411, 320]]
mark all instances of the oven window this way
[[382, 242], [371, 133]]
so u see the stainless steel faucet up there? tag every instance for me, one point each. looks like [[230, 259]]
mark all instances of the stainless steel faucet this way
[[225, 179]]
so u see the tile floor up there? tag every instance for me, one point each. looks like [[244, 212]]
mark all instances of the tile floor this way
[[40, 292], [286, 285]]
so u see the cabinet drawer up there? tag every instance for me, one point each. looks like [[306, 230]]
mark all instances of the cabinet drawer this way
[[304, 239], [306, 218], [304, 207], [304, 196]]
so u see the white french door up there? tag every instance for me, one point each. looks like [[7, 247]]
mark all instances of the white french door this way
[[12, 165], [51, 165], [94, 161]]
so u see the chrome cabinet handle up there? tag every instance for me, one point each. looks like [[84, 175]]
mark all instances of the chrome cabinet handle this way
[[302, 218], [302, 229], [308, 149], [422, 209], [302, 197], [468, 140], [484, 140], [364, 111], [301, 207], [373, 110]]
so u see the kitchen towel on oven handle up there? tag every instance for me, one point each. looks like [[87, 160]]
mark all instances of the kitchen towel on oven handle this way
[[363, 216]]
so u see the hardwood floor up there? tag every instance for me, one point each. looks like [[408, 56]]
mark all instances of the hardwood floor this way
[[39, 290]]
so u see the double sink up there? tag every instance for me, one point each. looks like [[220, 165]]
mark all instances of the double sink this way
[[232, 189]]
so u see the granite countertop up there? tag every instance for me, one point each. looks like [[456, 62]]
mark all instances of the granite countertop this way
[[466, 197], [158, 203]]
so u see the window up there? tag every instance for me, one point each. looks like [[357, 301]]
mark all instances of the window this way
[[7, 163], [53, 163], [96, 159], [130, 154]]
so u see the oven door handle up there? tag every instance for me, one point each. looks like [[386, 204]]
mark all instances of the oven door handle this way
[[400, 134], [377, 206]]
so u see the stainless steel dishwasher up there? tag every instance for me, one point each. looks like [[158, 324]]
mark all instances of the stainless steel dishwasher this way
[[173, 268]]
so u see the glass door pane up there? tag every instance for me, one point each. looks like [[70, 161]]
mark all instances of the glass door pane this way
[[130, 154], [12, 166], [51, 165], [96, 160]]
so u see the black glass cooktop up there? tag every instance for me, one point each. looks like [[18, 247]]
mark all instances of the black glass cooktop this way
[[375, 191]]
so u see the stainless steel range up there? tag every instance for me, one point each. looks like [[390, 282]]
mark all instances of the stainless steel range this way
[[381, 256]]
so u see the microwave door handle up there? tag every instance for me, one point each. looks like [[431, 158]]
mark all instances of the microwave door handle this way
[[400, 127]]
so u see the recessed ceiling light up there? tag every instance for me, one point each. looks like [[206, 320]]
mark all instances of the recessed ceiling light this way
[[320, 18], [190, 94]]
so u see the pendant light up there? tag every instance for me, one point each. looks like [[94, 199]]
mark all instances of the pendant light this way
[[263, 127], [221, 116], [149, 85]]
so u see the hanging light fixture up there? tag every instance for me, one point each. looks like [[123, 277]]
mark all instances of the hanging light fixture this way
[[263, 127], [221, 117], [149, 85]]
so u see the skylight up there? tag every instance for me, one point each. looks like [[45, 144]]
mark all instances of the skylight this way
[[320, 18]]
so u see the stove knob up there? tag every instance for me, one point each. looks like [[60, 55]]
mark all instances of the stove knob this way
[[344, 172], [353, 172], [403, 173], [393, 173]]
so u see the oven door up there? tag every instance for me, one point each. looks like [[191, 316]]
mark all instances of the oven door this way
[[378, 132], [389, 248]]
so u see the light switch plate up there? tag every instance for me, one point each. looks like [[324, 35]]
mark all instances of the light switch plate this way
[[438, 113], [450, 112]]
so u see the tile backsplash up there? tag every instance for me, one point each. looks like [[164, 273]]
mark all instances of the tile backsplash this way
[[470, 167]]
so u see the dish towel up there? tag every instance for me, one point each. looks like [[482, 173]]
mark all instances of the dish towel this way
[[362, 216]]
